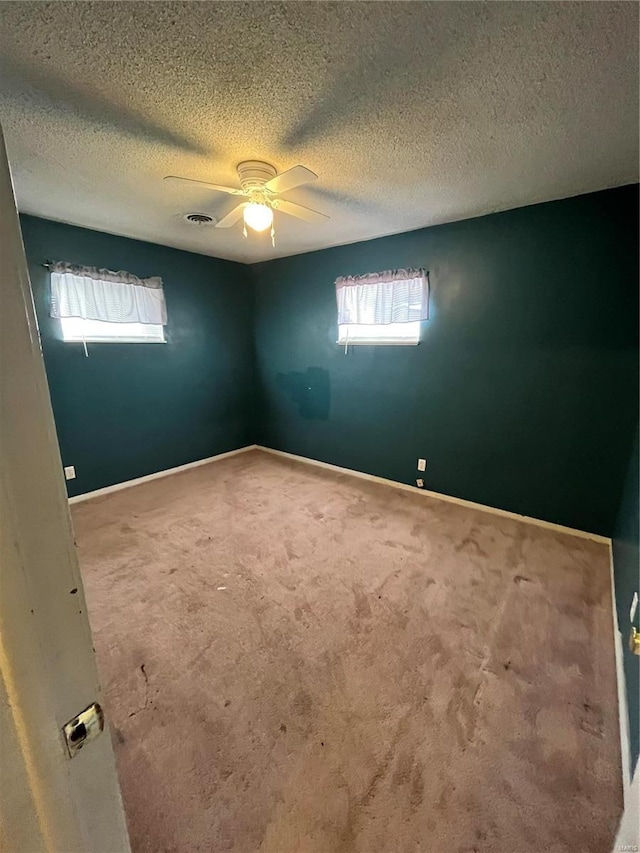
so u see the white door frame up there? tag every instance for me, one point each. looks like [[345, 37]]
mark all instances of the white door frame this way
[[48, 801]]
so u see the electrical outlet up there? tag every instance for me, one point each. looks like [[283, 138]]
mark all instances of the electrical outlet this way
[[422, 464], [420, 483], [70, 472]]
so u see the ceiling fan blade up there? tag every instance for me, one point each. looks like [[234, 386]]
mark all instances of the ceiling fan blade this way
[[299, 211], [290, 179], [232, 217], [221, 189]]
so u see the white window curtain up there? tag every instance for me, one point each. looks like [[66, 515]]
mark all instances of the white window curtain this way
[[112, 297], [378, 299]]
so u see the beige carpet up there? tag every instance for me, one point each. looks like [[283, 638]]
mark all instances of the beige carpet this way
[[297, 661]]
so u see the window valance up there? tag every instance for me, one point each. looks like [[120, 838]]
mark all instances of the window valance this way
[[112, 297], [393, 296]]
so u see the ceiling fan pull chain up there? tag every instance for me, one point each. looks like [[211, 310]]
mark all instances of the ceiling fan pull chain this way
[[273, 235], [244, 230]]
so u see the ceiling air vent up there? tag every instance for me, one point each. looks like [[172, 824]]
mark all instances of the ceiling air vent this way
[[198, 218]]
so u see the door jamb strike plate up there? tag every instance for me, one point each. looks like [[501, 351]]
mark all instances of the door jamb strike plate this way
[[83, 728]]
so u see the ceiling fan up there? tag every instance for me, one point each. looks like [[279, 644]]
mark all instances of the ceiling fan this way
[[261, 188]]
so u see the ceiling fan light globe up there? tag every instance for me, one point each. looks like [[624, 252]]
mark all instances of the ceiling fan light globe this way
[[258, 216]]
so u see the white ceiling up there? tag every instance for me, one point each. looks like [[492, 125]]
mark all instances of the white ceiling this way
[[410, 113]]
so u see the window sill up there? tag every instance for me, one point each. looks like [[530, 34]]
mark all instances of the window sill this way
[[378, 343], [112, 341]]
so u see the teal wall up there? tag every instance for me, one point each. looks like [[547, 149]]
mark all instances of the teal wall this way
[[523, 392], [134, 409], [626, 567]]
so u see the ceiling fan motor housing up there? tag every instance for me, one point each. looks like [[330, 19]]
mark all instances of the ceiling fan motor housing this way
[[254, 174], [262, 187]]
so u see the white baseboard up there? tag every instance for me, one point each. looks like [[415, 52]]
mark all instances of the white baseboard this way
[[129, 483], [571, 531], [353, 473], [629, 830]]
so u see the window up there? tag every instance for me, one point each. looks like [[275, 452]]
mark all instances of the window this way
[[97, 305], [392, 333], [96, 331], [382, 308]]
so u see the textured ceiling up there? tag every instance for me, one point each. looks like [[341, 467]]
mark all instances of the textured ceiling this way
[[410, 113]]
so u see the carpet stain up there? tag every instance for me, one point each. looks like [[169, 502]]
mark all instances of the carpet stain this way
[[362, 606], [470, 545]]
